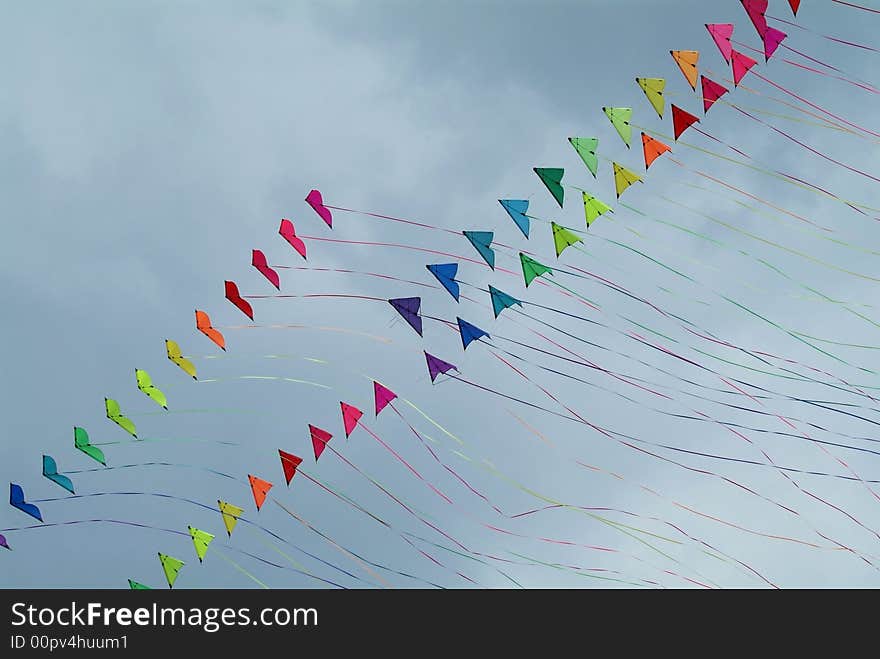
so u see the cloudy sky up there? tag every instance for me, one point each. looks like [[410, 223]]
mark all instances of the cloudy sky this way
[[150, 146]]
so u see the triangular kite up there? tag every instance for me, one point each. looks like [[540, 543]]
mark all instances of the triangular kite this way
[[437, 366], [201, 540], [350, 417], [721, 35], [517, 208], [260, 488], [315, 200], [586, 148], [4, 543], [445, 274], [623, 178], [177, 358], [230, 514], [712, 91], [756, 10], [203, 324], [593, 208], [482, 241], [289, 462], [319, 440], [653, 88], [145, 384], [552, 178], [687, 62], [501, 300], [772, 39], [81, 442], [135, 585], [469, 332], [620, 119], [653, 149], [50, 471], [682, 120], [116, 416], [258, 260], [531, 268], [408, 307], [235, 297], [288, 232], [382, 396], [794, 4], [171, 566], [741, 65], [563, 238], [16, 500]]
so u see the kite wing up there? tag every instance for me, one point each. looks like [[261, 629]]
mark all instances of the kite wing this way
[[230, 514], [653, 149], [687, 62], [531, 268], [517, 208], [469, 332], [712, 91], [235, 297], [316, 201], [350, 417], [50, 471], [593, 208], [408, 307], [445, 274], [16, 500], [176, 357], [482, 241], [319, 440], [203, 324], [260, 489], [115, 415], [653, 88], [586, 149], [201, 540], [620, 120], [145, 384], [772, 39], [289, 462], [437, 366], [623, 177], [741, 65], [563, 238], [258, 260], [171, 566], [721, 35], [756, 9], [501, 300], [552, 178], [382, 396], [682, 120], [81, 442], [288, 232]]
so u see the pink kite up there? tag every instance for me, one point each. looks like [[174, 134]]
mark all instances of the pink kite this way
[[258, 260], [756, 10], [316, 201], [288, 232], [319, 440], [741, 65], [382, 395], [721, 34], [350, 417], [712, 91], [772, 39]]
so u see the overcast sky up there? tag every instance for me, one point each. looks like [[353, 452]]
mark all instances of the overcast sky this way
[[149, 147]]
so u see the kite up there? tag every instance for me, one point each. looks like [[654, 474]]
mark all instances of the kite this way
[[794, 4], [501, 300], [3, 542], [145, 384], [201, 540], [741, 65], [135, 585], [316, 201], [81, 442], [50, 471], [687, 62], [620, 120], [230, 514], [258, 260], [552, 178], [623, 177], [445, 274], [177, 358], [469, 332], [289, 462], [531, 268], [16, 500], [586, 148], [712, 91], [288, 232], [593, 208], [653, 88], [653, 149], [350, 417], [115, 415], [171, 566], [203, 324], [319, 440], [563, 238], [235, 297], [482, 241], [408, 307], [681, 120], [382, 395], [437, 366], [756, 9], [517, 208], [772, 39], [260, 488], [721, 34]]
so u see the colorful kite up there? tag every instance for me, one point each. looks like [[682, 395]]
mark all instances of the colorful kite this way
[[145, 384], [319, 440], [445, 274], [289, 463], [171, 567], [116, 416], [203, 324], [230, 514], [258, 260], [177, 358], [482, 242], [563, 238], [653, 88], [82, 443], [382, 396], [586, 149], [235, 297], [316, 201], [408, 307], [517, 209], [469, 332], [288, 232], [687, 62], [620, 118], [437, 366], [259, 488], [50, 471], [17, 500], [350, 417], [201, 540], [552, 178]]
